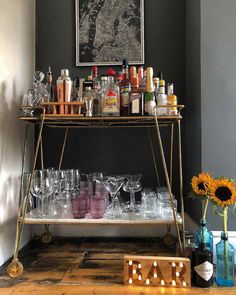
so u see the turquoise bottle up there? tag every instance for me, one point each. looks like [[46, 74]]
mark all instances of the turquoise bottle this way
[[204, 235], [224, 262]]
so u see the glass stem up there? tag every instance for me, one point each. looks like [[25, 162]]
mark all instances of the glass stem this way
[[42, 207], [132, 200], [113, 197]]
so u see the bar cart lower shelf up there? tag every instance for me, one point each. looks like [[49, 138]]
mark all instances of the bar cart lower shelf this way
[[43, 120], [90, 221]]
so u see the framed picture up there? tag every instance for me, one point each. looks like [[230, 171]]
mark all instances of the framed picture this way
[[108, 31]]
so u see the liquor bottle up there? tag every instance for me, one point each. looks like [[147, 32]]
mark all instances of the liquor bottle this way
[[64, 86], [203, 267], [96, 82], [50, 88], [149, 95], [110, 96], [125, 88], [171, 100], [136, 99], [156, 85], [142, 82], [100, 95], [125, 67], [162, 99], [88, 82], [133, 73]]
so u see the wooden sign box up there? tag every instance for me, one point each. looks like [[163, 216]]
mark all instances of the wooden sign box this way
[[157, 271]]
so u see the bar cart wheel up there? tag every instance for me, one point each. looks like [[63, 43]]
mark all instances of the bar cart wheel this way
[[46, 237], [169, 239], [15, 269]]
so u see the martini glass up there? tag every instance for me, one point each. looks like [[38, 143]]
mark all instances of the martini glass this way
[[132, 186], [113, 185]]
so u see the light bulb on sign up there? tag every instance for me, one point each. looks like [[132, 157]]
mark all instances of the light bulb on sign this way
[[130, 262], [162, 282], [130, 281]]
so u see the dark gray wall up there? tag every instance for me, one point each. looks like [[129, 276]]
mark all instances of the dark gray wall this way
[[218, 64], [192, 155], [116, 151]]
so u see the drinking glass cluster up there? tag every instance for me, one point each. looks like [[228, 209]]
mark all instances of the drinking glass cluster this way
[[65, 194]]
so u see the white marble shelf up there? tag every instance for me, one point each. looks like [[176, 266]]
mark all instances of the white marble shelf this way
[[103, 221]]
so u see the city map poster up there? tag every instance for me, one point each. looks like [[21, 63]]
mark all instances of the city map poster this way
[[108, 31]]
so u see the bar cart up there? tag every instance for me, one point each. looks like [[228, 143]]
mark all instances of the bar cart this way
[[43, 119]]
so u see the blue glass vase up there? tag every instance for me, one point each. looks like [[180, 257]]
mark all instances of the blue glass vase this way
[[204, 235], [224, 262]]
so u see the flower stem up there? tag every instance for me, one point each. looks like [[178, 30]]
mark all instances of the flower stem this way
[[204, 211], [225, 219]]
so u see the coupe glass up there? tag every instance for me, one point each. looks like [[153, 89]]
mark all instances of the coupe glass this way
[[113, 184], [132, 186]]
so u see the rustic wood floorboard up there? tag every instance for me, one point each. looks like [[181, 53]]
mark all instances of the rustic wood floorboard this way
[[70, 266]]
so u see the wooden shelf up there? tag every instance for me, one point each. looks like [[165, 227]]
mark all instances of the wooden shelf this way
[[87, 221]]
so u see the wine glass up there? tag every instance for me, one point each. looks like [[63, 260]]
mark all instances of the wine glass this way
[[132, 186], [42, 187], [113, 184]]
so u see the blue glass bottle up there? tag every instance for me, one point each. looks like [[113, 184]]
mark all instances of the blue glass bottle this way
[[224, 262], [204, 235]]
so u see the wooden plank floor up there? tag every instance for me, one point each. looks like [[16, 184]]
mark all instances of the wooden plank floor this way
[[86, 266]]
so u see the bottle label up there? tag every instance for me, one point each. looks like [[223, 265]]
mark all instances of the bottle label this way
[[204, 270], [110, 102], [124, 94], [135, 103], [149, 106]]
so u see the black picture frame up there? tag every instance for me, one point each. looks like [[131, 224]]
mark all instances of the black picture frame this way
[[108, 31]]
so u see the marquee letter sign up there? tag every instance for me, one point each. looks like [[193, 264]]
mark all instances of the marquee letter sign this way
[[157, 271]]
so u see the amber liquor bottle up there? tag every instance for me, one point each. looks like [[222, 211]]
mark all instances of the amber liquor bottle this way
[[203, 267], [136, 99]]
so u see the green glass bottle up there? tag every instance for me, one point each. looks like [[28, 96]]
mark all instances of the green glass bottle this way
[[149, 95]]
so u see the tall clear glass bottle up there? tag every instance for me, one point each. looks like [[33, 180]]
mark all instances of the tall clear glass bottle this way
[[204, 235], [110, 96], [224, 262]]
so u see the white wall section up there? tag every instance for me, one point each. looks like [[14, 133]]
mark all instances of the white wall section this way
[[17, 56]]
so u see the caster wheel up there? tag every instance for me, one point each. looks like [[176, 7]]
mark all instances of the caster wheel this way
[[46, 238], [169, 240], [15, 269]]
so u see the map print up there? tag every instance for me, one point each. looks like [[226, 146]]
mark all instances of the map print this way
[[109, 31]]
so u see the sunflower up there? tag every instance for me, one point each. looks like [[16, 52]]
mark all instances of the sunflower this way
[[223, 192], [200, 184]]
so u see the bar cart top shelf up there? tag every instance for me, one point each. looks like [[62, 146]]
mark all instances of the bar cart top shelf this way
[[73, 121]]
